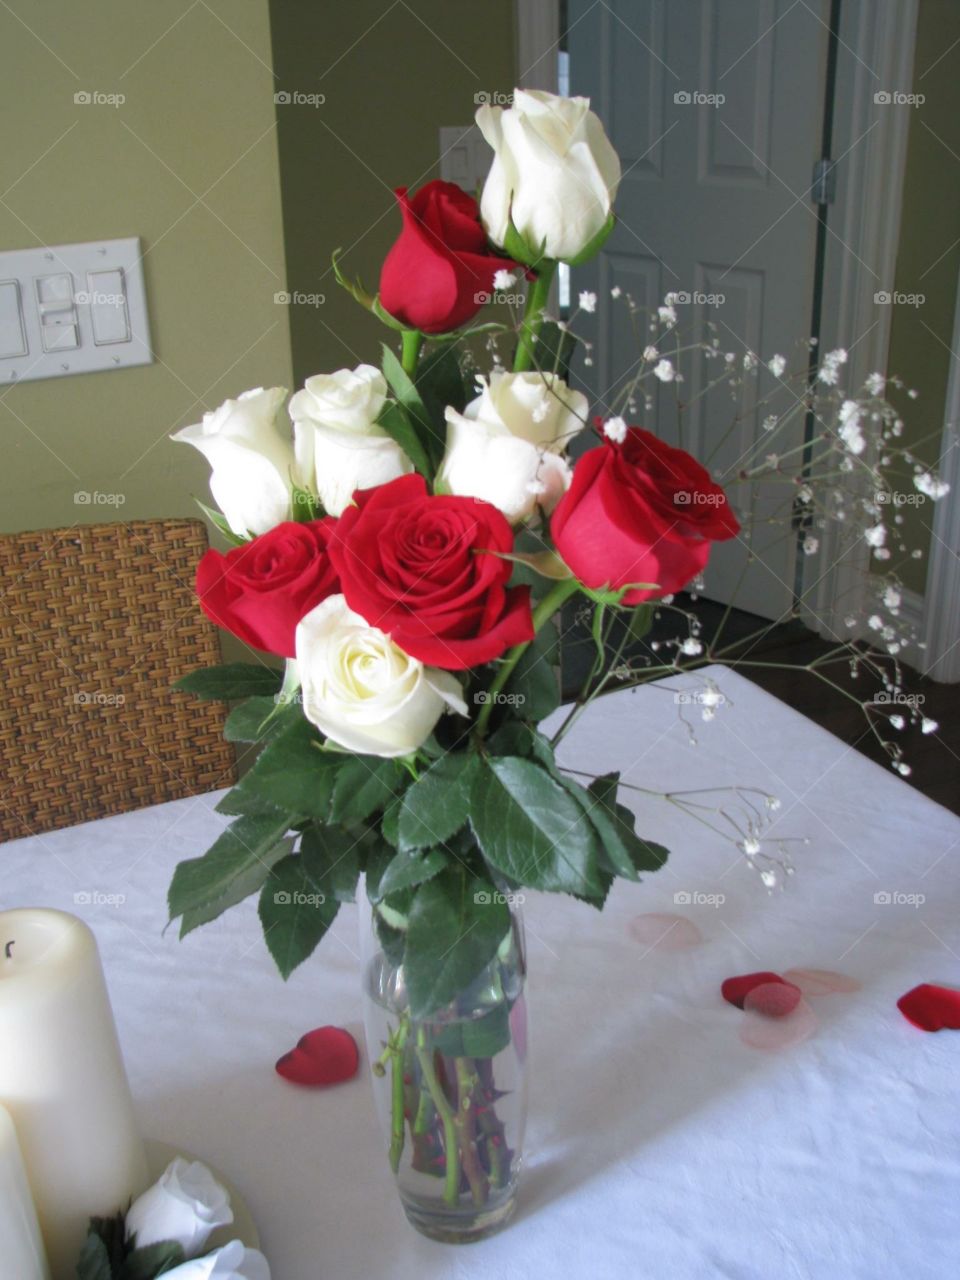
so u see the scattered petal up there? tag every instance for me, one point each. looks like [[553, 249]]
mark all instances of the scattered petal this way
[[821, 982], [772, 1034], [665, 932], [931, 1008], [773, 999], [735, 990], [327, 1055]]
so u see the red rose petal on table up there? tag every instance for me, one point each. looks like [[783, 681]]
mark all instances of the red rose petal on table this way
[[327, 1055], [664, 932], [773, 999], [735, 990], [931, 1008], [758, 1031], [821, 982]]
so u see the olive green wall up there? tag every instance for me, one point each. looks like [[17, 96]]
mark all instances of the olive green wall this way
[[928, 258], [189, 163], [390, 74]]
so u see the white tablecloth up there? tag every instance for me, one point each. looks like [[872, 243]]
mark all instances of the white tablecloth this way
[[659, 1145]]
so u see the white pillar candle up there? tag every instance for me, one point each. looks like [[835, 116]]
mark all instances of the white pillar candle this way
[[62, 1079], [21, 1250]]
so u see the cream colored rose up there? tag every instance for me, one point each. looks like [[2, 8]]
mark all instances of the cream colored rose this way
[[339, 447], [364, 692], [251, 457], [554, 173], [507, 445]]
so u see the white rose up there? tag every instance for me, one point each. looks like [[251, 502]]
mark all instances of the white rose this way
[[339, 447], [186, 1205], [364, 692], [252, 459], [507, 444], [554, 172], [233, 1262]]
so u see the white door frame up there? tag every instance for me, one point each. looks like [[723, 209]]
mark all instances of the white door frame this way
[[876, 53]]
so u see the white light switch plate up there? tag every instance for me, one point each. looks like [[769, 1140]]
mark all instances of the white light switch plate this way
[[72, 308]]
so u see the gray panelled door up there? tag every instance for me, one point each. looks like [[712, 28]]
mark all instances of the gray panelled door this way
[[716, 110]]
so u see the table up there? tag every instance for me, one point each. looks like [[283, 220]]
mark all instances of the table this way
[[659, 1145]]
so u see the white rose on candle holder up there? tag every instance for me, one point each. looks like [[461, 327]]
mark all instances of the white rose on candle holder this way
[[554, 175], [339, 447], [252, 459], [507, 446], [186, 1205], [364, 692], [232, 1262]]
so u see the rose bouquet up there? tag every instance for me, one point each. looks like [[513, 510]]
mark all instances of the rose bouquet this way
[[408, 550]]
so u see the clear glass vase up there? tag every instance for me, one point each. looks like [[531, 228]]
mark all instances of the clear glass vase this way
[[450, 1090]]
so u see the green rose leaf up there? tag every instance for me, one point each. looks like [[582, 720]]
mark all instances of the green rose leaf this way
[[153, 1260], [363, 785], [615, 822], [295, 915], [94, 1260], [531, 829], [398, 425], [234, 866], [410, 867], [478, 1038], [437, 805], [291, 774], [455, 926], [431, 438], [220, 523], [258, 719], [534, 682], [230, 681], [331, 860]]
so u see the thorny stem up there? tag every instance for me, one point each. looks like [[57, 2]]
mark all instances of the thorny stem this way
[[451, 1186]]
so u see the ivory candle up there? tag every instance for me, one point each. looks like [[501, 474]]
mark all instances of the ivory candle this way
[[62, 1079], [21, 1249]]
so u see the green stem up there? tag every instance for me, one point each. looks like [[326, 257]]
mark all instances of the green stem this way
[[533, 316], [543, 612], [412, 342], [397, 1107], [451, 1186]]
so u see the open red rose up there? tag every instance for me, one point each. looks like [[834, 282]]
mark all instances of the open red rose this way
[[440, 270], [640, 511], [412, 564], [261, 590]]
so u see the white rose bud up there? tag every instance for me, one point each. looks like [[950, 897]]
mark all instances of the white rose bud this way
[[555, 173], [362, 690], [507, 445], [339, 447], [186, 1205], [252, 459], [233, 1262]]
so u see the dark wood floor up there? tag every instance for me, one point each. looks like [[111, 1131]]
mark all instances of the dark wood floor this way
[[934, 758]]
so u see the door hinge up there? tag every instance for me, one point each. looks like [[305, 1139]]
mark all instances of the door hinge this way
[[823, 188]]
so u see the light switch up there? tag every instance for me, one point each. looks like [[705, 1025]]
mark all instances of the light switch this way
[[13, 339], [106, 294], [72, 308]]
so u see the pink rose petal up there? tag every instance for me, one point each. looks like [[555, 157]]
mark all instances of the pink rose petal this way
[[735, 990], [770, 1035], [821, 982], [664, 932], [772, 999]]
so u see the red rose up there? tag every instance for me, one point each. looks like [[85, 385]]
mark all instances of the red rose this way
[[440, 270], [261, 590], [412, 565], [640, 511]]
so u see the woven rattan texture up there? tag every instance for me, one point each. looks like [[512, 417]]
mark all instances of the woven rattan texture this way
[[96, 622]]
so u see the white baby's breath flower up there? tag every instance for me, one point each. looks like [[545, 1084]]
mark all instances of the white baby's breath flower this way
[[750, 361], [668, 315], [892, 597], [588, 301], [664, 371], [810, 545], [615, 291], [931, 485], [776, 365], [876, 384], [928, 726], [504, 279], [691, 647], [615, 429], [850, 432], [876, 536], [769, 422], [651, 353]]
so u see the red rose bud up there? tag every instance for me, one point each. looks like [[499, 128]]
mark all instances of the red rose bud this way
[[640, 511], [440, 270], [412, 565], [260, 591]]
